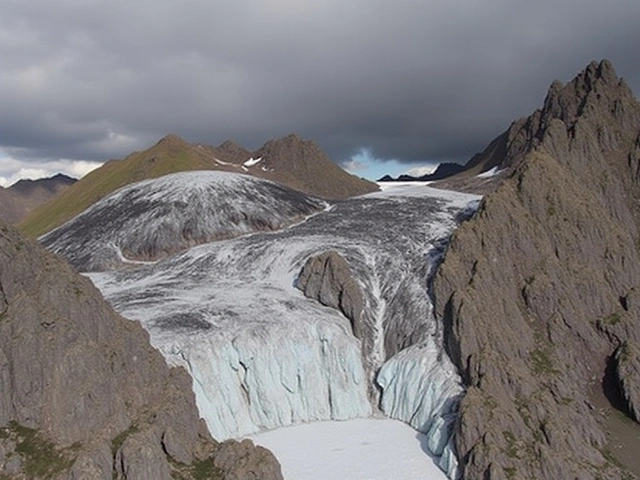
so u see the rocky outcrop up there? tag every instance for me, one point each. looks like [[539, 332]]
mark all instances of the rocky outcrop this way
[[328, 279], [627, 360], [82, 392], [244, 461], [536, 292]]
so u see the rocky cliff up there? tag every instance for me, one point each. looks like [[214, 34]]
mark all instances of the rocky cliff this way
[[328, 279], [538, 291], [84, 395]]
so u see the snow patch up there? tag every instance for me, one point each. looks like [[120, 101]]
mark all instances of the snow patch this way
[[220, 162], [252, 161], [490, 173]]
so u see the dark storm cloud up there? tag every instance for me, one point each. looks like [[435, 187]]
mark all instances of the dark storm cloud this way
[[411, 80]]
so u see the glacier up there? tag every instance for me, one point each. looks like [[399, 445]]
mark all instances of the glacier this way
[[263, 356], [153, 219]]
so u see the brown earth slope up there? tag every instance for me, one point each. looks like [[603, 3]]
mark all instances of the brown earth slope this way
[[539, 291], [291, 161], [84, 395]]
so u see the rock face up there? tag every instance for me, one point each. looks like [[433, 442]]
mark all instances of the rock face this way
[[537, 291], [627, 361], [82, 392], [153, 219], [328, 279]]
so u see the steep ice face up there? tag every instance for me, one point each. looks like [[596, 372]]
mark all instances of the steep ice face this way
[[421, 387], [262, 355], [154, 218]]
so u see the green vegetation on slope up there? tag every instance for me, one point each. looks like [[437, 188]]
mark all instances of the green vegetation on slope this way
[[41, 459], [170, 155]]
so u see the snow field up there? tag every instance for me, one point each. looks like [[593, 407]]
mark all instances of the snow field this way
[[360, 449]]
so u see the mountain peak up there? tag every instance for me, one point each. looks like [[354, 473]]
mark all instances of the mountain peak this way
[[594, 112], [291, 140], [294, 137], [171, 139], [597, 86], [230, 145], [603, 70], [233, 152]]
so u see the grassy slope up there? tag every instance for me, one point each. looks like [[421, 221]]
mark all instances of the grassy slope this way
[[167, 156], [296, 163]]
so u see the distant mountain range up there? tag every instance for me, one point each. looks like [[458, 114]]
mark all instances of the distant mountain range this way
[[291, 161], [444, 170], [17, 201]]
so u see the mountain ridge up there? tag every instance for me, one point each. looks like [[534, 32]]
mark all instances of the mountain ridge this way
[[18, 200], [291, 161], [509, 148], [556, 242]]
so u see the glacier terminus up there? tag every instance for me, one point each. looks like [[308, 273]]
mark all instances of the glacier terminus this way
[[263, 356]]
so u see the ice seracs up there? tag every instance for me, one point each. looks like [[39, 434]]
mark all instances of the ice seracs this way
[[421, 387]]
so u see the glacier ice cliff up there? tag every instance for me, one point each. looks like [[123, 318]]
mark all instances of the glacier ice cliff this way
[[262, 355], [421, 387]]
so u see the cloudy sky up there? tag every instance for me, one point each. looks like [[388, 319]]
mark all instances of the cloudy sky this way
[[379, 85]]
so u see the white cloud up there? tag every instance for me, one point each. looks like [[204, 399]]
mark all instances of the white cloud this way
[[354, 165], [420, 171]]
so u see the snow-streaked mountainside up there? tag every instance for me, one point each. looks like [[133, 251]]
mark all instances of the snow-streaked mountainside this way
[[155, 218], [263, 356]]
